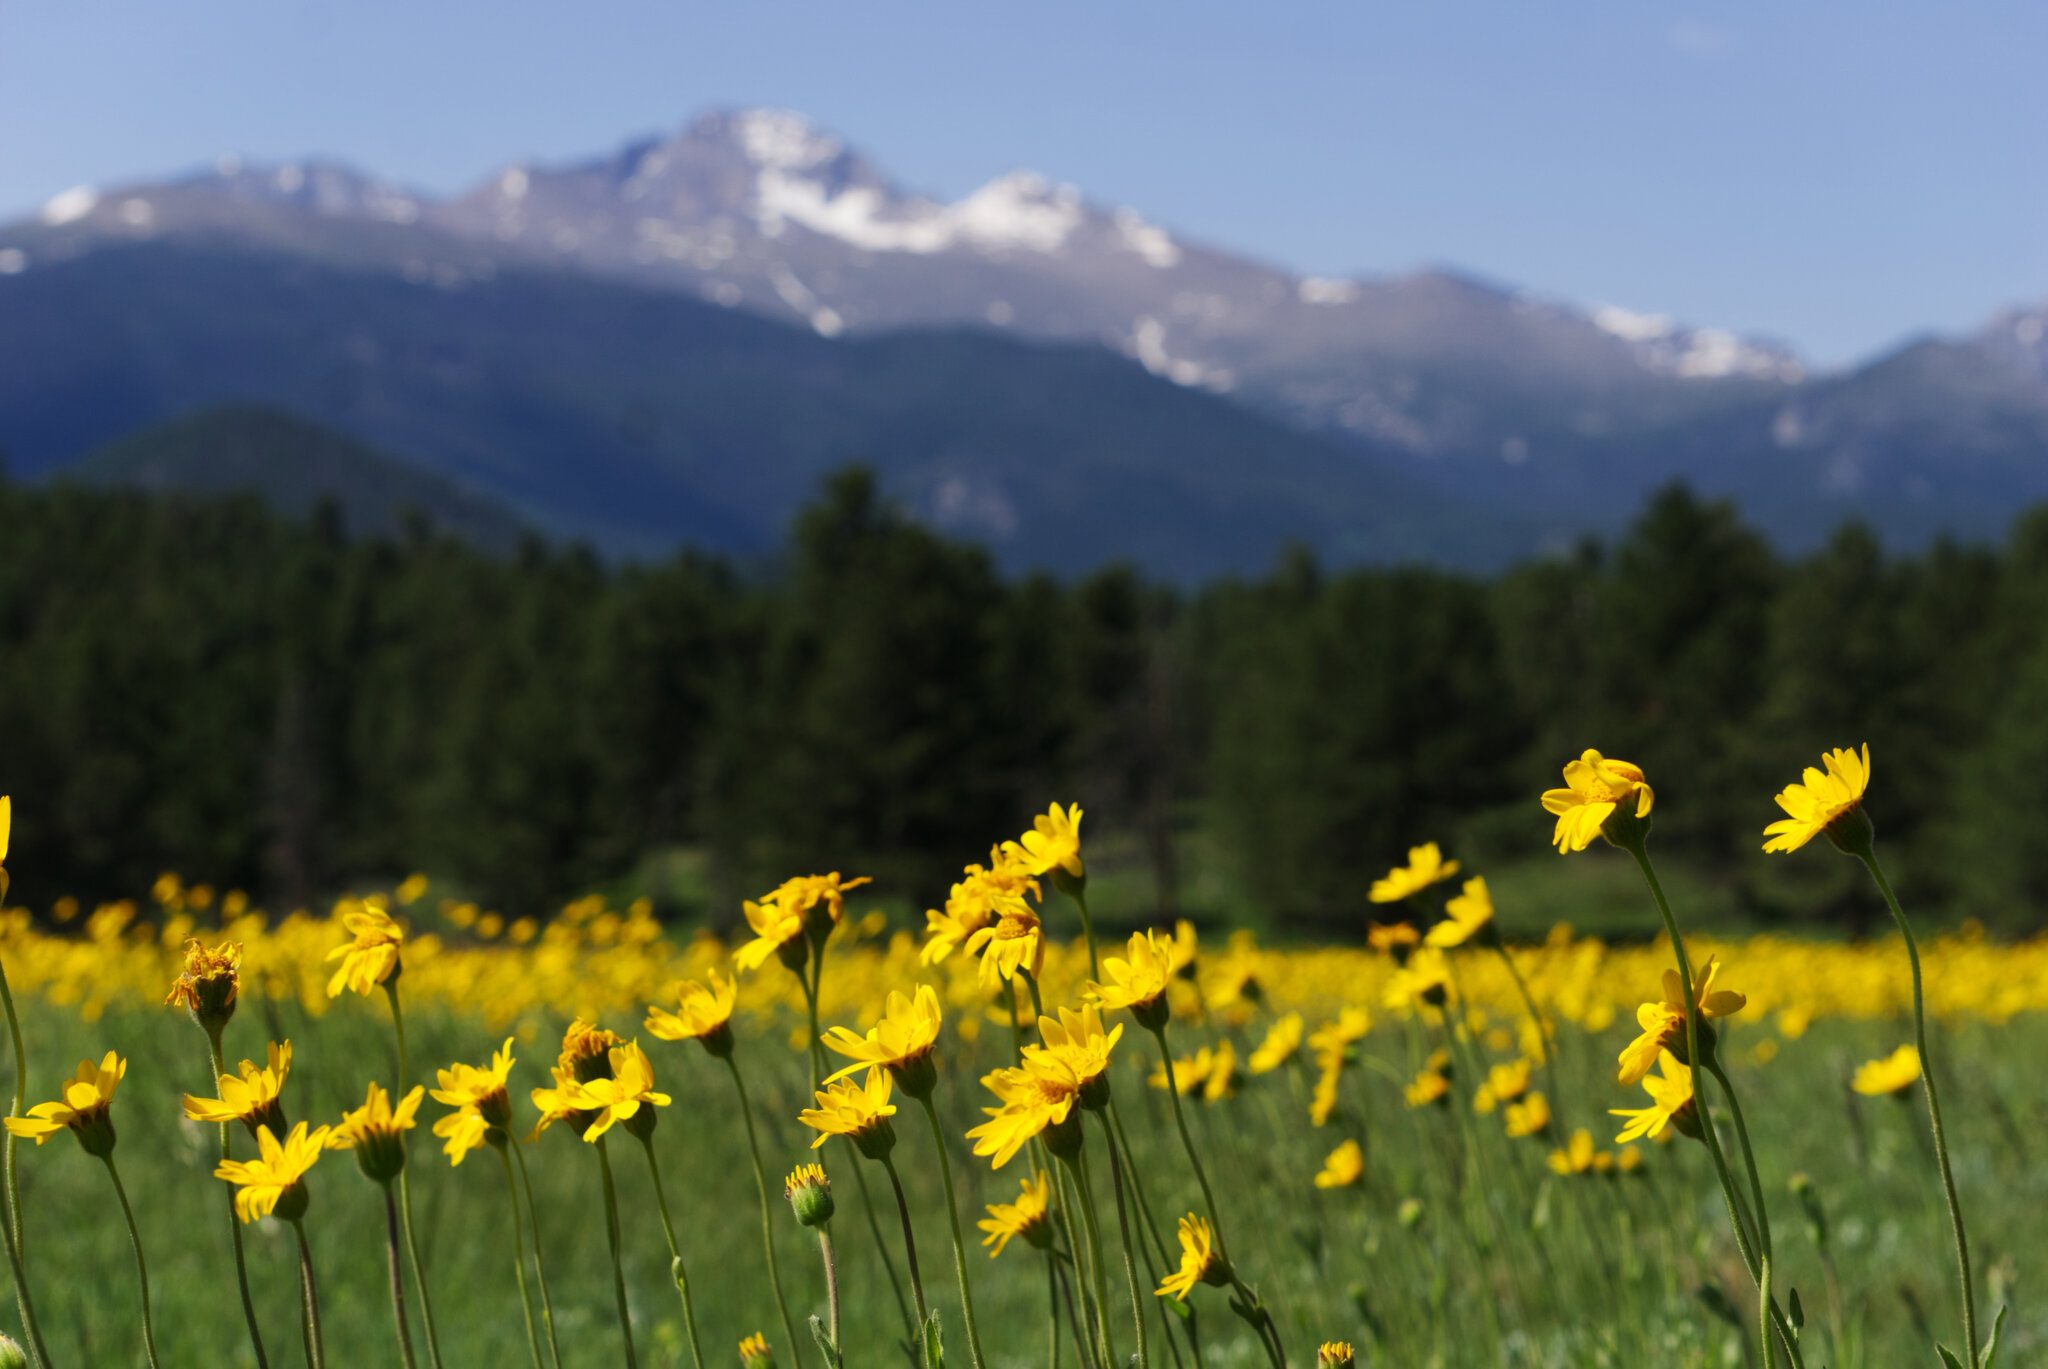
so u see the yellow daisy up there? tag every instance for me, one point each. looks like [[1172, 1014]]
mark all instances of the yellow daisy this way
[[1596, 786], [250, 1097], [1199, 1260], [1426, 866], [1015, 941], [1467, 917], [1053, 843], [1343, 1167], [83, 1110], [703, 1012], [210, 981], [370, 957], [860, 1112], [376, 1131], [275, 1180], [1137, 981], [1889, 1075], [900, 1042], [1819, 801], [1671, 1103], [1283, 1040], [1663, 1022], [619, 1097], [1026, 1217]]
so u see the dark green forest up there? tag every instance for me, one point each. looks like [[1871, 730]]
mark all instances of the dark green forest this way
[[263, 702]]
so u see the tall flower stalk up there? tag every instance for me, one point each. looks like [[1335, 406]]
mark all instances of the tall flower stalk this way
[[376, 1133], [16, 1261]]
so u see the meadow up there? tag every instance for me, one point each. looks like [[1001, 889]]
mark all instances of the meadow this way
[[1405, 1136]]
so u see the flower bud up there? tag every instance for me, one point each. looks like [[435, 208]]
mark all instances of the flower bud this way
[[916, 1076], [12, 1356], [810, 1194], [1334, 1354], [380, 1155], [876, 1139], [755, 1354]]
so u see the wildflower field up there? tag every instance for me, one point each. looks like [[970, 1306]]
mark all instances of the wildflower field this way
[[412, 1131]]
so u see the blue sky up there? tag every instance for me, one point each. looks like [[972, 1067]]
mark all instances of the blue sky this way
[[1835, 174]]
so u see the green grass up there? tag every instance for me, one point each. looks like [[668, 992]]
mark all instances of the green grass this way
[[1623, 1272]]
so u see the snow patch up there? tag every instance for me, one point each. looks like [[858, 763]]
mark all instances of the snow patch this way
[[137, 213], [1148, 347], [13, 261], [1630, 326], [71, 205], [782, 139], [1148, 240], [1021, 210], [1326, 290], [290, 177], [1694, 353], [514, 184]]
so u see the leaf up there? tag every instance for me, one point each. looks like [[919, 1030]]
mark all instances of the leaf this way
[[934, 1355], [1797, 1312], [1988, 1356], [1948, 1357], [825, 1346], [1180, 1309]]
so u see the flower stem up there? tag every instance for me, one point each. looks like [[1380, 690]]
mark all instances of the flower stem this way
[[1868, 855], [397, 1264], [234, 1223], [826, 1254], [15, 1258], [909, 1249], [1756, 1187], [1077, 1166], [1123, 1221], [540, 1269], [412, 1244], [141, 1263], [1542, 1024], [309, 1292], [612, 1243], [1078, 891], [675, 1252], [739, 1084], [518, 1259], [953, 1222]]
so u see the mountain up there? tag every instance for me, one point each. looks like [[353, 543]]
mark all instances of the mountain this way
[[640, 419], [1536, 418], [294, 466]]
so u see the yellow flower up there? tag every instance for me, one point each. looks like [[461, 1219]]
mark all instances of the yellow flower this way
[[6, 823], [1034, 1097], [88, 1097], [251, 1098], [1053, 843], [860, 1112], [1467, 916], [1343, 1167], [780, 917], [559, 1103], [274, 1181], [703, 1011], [1199, 1261], [810, 1195], [1026, 1217], [754, 1353], [1424, 981], [587, 1051], [1210, 1073], [1322, 1104], [1596, 786], [411, 889], [775, 928], [371, 957], [1426, 866], [619, 1097], [480, 1100], [210, 982], [376, 1131], [982, 895], [1578, 1155], [1076, 1044], [1671, 1103], [1504, 1084], [1396, 940], [1663, 1023], [1888, 1075], [1819, 801], [1430, 1086], [904, 1038], [1015, 941], [1529, 1117], [1334, 1354], [1283, 1039], [1137, 982]]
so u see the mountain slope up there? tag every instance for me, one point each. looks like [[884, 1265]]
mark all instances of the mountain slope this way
[[643, 420], [293, 466]]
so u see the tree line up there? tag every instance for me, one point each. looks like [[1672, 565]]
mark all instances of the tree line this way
[[202, 685]]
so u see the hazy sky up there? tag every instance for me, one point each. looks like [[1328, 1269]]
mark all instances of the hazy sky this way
[[1837, 174]]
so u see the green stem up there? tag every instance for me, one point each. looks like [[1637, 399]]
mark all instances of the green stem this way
[[540, 1269], [1077, 1166], [1123, 1221], [412, 1244], [1543, 1029], [141, 1263], [309, 1293], [218, 1061], [1756, 1187], [909, 1249], [831, 1293], [15, 1258], [1868, 855], [396, 1262], [1077, 890], [767, 1225], [953, 1220], [675, 1252], [518, 1260], [612, 1243]]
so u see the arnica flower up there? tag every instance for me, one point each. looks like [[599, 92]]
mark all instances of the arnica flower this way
[[810, 1194], [1430, 1086], [1076, 1044], [1468, 917], [587, 1051], [703, 1014], [6, 823], [1026, 1217], [1504, 1084], [1596, 787], [1888, 1076], [1580, 1156], [860, 1112], [1820, 801], [1137, 980], [1663, 1023], [1671, 1103], [983, 894], [1053, 843], [1334, 1354], [619, 1097], [376, 1131], [250, 1097], [1343, 1167], [754, 1353], [560, 1102], [902, 1042], [371, 956], [1282, 1041], [1395, 940], [1037, 1098], [209, 984], [1210, 1073], [1425, 981], [85, 1109], [1529, 1117], [480, 1100], [778, 933], [1015, 941], [1199, 1260], [275, 1180], [1426, 866]]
